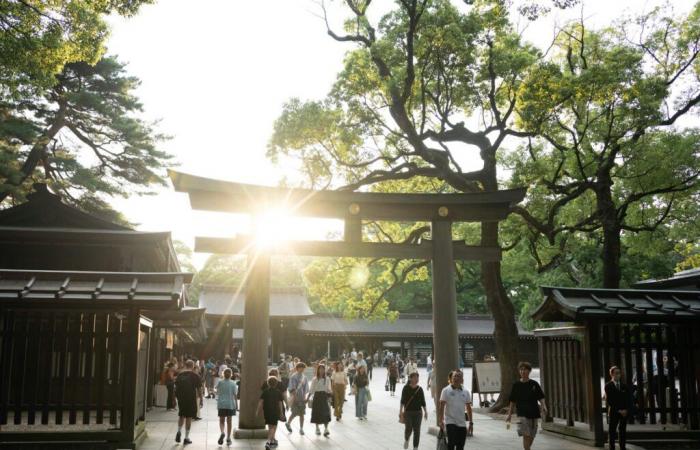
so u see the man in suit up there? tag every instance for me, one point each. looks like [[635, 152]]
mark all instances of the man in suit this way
[[619, 402]]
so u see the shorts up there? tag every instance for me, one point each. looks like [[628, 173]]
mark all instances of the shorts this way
[[298, 408], [527, 427], [227, 412]]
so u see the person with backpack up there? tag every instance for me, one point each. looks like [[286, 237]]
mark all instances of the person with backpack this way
[[271, 403], [298, 391], [412, 401], [188, 389], [226, 404]]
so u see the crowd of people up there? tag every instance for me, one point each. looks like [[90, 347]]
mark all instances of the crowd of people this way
[[287, 393]]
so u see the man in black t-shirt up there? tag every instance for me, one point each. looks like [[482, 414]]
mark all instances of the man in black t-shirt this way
[[525, 395], [188, 389]]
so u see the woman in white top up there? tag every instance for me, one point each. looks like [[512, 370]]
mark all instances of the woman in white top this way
[[320, 409], [339, 381]]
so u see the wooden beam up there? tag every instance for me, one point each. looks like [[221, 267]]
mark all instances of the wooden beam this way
[[424, 250]]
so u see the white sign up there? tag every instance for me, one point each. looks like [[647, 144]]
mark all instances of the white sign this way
[[488, 376]]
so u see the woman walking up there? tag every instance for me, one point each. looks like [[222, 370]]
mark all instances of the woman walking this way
[[339, 381], [320, 391], [412, 401], [393, 374], [361, 387]]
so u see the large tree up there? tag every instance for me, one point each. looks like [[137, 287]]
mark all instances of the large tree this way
[[610, 157], [83, 136], [425, 85]]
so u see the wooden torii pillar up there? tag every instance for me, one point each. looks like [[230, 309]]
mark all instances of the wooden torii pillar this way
[[441, 210]]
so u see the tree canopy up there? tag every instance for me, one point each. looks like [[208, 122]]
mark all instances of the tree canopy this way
[[68, 114]]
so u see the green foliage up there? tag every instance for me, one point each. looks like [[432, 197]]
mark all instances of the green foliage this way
[[38, 38], [82, 137]]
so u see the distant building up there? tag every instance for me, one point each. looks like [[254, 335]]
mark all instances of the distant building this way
[[296, 330]]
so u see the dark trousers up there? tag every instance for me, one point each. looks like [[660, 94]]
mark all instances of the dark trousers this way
[[617, 422], [412, 421], [369, 372], [170, 402], [392, 384], [456, 436]]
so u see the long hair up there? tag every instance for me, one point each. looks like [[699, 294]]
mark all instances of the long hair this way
[[318, 370]]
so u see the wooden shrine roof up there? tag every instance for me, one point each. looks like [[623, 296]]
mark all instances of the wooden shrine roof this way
[[218, 195], [49, 289], [45, 234], [685, 280], [44, 209], [407, 325], [230, 302], [617, 305]]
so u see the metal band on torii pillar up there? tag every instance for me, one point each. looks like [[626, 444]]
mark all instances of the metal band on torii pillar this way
[[445, 337], [256, 330]]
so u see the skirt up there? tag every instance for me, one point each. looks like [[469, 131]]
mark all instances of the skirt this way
[[320, 409]]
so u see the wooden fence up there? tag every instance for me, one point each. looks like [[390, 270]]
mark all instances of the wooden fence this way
[[79, 374]]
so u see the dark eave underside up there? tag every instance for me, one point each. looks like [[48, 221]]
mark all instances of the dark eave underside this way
[[618, 305]]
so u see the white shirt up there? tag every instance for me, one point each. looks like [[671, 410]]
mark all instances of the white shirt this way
[[411, 368], [353, 355], [320, 385], [455, 400], [361, 363], [429, 360]]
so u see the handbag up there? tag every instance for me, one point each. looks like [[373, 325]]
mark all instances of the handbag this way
[[441, 440], [369, 395], [386, 385]]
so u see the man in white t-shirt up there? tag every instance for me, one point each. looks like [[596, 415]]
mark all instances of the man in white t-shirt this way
[[455, 401], [411, 367]]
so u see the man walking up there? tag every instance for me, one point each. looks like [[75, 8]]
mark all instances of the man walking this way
[[298, 391], [455, 401], [619, 401], [188, 387], [525, 395]]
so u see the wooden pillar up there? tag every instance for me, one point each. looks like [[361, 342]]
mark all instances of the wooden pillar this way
[[256, 329], [591, 349], [130, 350], [444, 303]]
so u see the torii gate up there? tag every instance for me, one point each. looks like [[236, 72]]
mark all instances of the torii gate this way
[[441, 210]]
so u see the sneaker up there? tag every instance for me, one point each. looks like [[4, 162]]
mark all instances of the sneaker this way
[[177, 436], [405, 444], [268, 446], [221, 439], [326, 433], [318, 432], [274, 443], [301, 431], [187, 441], [289, 427], [228, 441]]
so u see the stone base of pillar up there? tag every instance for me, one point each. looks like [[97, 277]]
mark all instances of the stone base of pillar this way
[[257, 433]]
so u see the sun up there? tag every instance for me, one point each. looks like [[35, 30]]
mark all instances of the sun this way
[[273, 227]]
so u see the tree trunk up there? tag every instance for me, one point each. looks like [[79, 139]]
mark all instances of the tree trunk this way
[[612, 246], [505, 329]]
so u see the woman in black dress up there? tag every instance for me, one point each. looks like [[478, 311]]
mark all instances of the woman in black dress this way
[[320, 407]]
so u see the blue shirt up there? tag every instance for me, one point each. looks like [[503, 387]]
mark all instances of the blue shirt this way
[[298, 386], [226, 391]]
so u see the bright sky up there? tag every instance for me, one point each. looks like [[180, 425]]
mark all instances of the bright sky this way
[[216, 76]]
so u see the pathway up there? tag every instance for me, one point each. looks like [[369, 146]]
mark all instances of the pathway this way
[[380, 431]]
